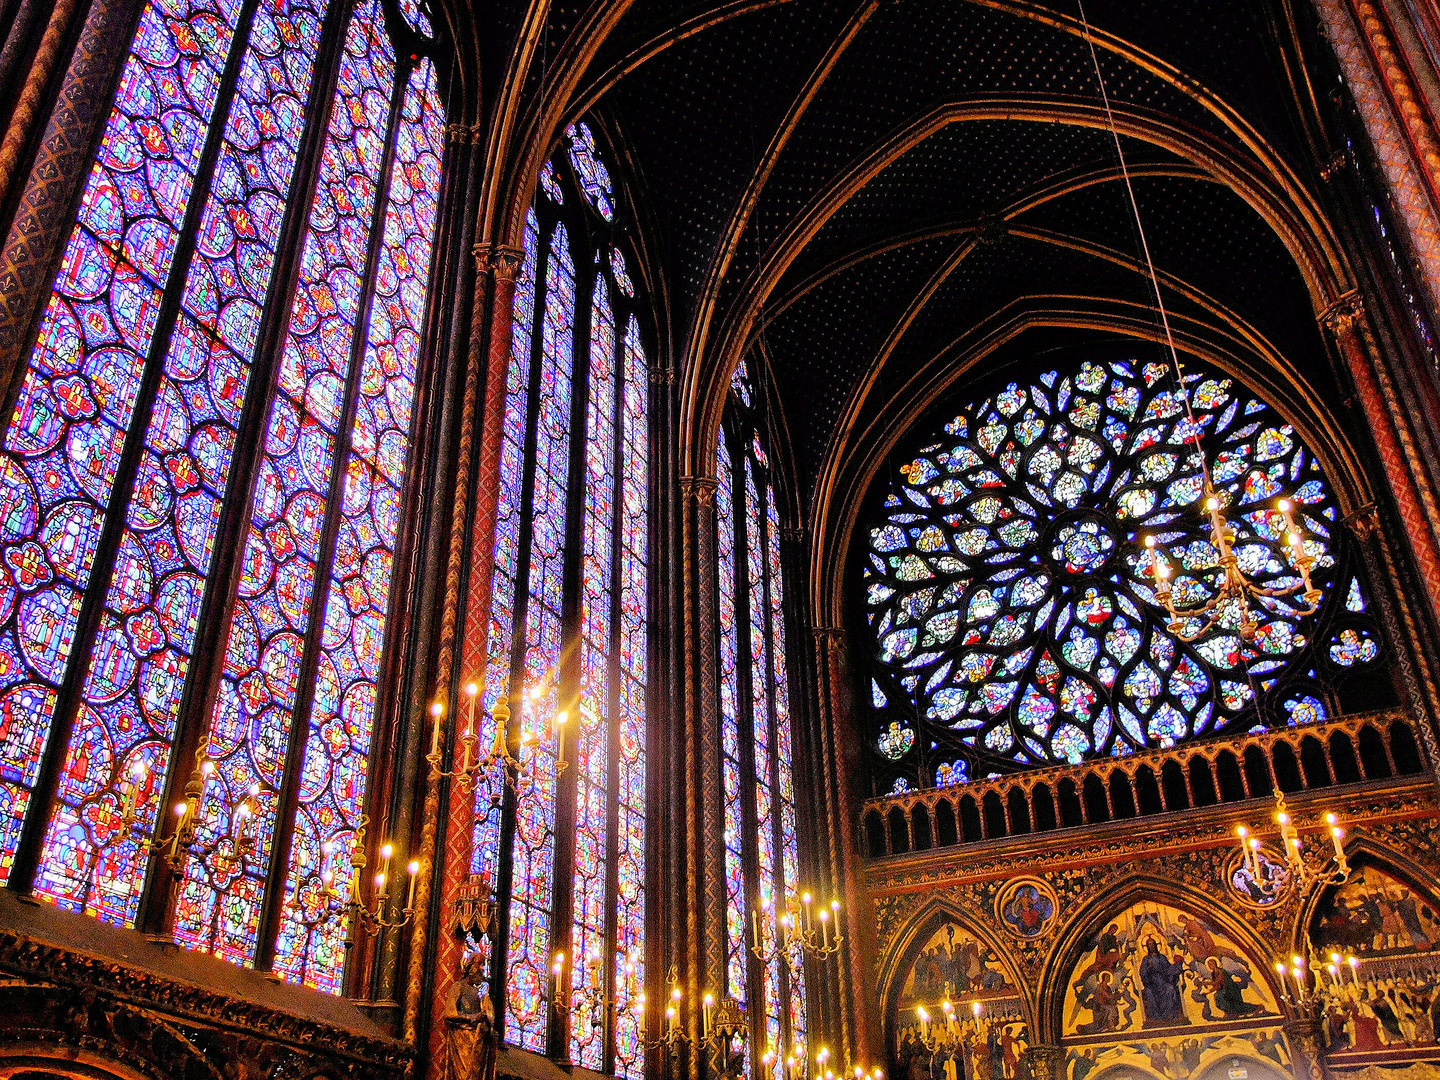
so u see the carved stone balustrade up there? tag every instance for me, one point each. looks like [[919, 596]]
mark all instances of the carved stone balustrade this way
[[1355, 749]]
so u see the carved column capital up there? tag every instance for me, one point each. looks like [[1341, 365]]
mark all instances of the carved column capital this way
[[498, 259], [662, 376], [1365, 522], [457, 133], [700, 488], [794, 534], [1341, 317]]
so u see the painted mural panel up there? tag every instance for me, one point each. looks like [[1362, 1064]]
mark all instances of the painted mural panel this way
[[1163, 994], [1228, 1055], [1155, 968], [981, 1036], [1387, 1014]]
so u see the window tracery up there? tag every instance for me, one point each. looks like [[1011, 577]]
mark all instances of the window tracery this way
[[761, 836], [1006, 587], [568, 626], [127, 450]]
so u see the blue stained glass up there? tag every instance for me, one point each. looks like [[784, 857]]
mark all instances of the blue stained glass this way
[[1037, 652], [62, 447], [629, 851], [533, 854], [334, 765], [219, 906], [137, 671], [596, 590], [736, 945], [591, 171]]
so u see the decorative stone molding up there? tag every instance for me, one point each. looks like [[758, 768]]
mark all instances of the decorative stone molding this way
[[57, 996]]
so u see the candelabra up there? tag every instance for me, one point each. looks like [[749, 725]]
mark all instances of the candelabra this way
[[514, 768], [1311, 987], [674, 1033], [824, 1072], [797, 934], [1299, 870], [1236, 588], [175, 847], [947, 1010], [370, 919], [591, 992]]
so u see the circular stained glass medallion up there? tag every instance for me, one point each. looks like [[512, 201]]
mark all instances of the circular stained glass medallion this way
[[1005, 582]]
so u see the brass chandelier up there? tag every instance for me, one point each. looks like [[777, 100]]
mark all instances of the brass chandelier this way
[[1232, 599]]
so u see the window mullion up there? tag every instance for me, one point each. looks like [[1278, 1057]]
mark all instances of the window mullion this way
[[612, 756], [288, 796], [57, 742], [562, 866], [745, 707], [764, 492], [505, 868]]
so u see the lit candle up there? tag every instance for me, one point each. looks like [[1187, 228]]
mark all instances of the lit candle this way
[[1354, 962], [707, 1003], [1297, 969], [1244, 834], [471, 690], [805, 900], [824, 928], [437, 711], [977, 1009], [949, 1011], [924, 1020], [413, 869], [1337, 834], [386, 850]]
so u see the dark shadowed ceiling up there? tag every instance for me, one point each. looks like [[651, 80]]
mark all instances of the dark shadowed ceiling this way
[[918, 172]]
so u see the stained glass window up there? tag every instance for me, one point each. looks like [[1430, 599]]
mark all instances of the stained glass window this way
[[576, 447], [126, 453], [1009, 594], [761, 840]]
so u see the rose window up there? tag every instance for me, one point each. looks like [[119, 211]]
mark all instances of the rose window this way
[[1006, 583]]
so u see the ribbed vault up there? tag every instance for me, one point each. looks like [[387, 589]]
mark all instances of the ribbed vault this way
[[874, 196]]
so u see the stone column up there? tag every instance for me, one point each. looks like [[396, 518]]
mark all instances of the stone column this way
[[1414, 502], [697, 507], [492, 320], [860, 1024], [1400, 134], [702, 490], [43, 215]]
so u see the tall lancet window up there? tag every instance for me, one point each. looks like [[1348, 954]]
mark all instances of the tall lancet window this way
[[761, 845], [565, 849], [204, 473]]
